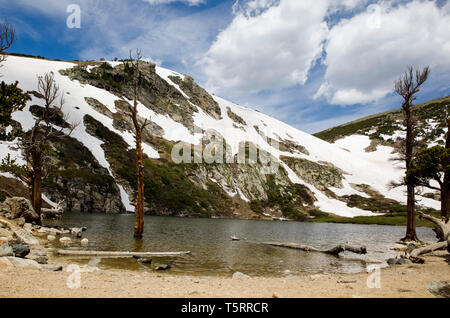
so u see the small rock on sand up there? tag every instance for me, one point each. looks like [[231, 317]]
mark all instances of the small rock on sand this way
[[239, 275], [84, 242], [21, 250]]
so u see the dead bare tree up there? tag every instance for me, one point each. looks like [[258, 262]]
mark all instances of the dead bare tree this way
[[138, 129], [36, 143], [7, 38], [407, 87]]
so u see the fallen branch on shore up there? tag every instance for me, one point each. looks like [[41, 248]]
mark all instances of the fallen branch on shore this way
[[333, 251], [442, 233], [428, 249], [120, 254], [443, 228]]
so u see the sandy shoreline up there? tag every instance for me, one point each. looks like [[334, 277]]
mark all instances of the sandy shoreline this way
[[396, 281]]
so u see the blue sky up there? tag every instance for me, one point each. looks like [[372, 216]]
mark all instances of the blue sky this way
[[311, 63]]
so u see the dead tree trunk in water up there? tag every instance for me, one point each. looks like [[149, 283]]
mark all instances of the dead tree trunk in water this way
[[407, 86], [333, 251], [138, 128]]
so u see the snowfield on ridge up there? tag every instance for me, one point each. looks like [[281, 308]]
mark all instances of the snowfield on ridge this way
[[359, 167]]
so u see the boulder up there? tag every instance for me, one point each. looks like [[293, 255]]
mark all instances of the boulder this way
[[25, 237], [19, 262], [6, 250], [77, 231], [21, 250], [84, 242], [18, 207], [51, 238], [5, 233], [439, 289], [65, 240]]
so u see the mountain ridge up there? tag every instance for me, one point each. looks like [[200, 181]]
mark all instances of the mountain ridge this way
[[314, 176]]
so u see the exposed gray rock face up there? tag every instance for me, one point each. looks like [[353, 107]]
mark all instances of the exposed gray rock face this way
[[17, 207], [322, 176], [82, 197], [80, 182], [198, 96]]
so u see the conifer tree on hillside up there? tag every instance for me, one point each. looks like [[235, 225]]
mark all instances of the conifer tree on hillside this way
[[11, 99], [433, 164]]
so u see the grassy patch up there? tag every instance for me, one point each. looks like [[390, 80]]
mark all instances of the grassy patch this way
[[398, 219]]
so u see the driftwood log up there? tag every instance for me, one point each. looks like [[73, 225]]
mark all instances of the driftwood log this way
[[119, 254], [442, 231], [443, 228], [428, 249], [333, 251]]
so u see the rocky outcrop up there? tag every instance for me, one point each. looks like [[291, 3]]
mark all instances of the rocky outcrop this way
[[322, 176], [198, 96], [82, 197], [79, 182], [17, 207]]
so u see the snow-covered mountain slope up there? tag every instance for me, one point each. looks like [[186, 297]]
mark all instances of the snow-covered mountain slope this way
[[313, 174]]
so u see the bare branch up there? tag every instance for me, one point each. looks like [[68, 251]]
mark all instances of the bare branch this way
[[7, 38]]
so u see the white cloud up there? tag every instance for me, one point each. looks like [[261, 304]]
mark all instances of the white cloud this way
[[366, 53], [267, 46]]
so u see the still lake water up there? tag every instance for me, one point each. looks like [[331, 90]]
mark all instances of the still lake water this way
[[213, 252]]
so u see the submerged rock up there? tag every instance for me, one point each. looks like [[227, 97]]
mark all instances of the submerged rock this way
[[77, 231], [65, 240], [84, 242]]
